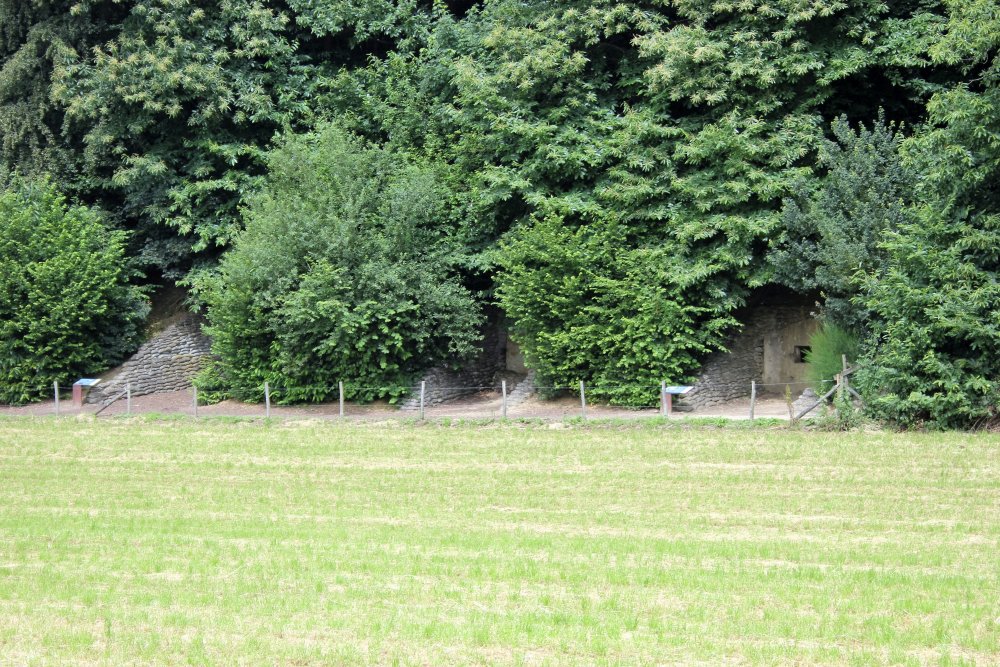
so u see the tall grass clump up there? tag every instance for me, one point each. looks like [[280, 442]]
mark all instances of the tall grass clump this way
[[826, 348]]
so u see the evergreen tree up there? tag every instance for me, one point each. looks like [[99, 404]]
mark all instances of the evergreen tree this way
[[932, 358], [833, 229]]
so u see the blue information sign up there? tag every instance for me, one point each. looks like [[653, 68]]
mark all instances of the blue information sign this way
[[678, 390]]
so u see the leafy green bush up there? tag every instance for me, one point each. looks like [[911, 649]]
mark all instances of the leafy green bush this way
[[586, 306], [343, 273], [933, 359], [66, 306], [826, 349], [934, 351]]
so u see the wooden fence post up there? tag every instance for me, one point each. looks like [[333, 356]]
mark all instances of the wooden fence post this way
[[503, 390], [663, 398], [423, 387], [753, 397], [844, 381], [340, 395], [583, 400], [128, 398], [267, 400], [55, 388]]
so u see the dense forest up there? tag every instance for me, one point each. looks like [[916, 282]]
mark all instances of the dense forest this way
[[346, 185]]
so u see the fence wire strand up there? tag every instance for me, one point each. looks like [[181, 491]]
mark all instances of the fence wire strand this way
[[430, 397]]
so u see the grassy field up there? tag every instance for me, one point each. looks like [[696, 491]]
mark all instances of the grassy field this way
[[225, 543]]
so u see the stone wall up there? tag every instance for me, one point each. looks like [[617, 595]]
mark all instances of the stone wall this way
[[523, 389], [446, 384], [763, 349], [166, 362]]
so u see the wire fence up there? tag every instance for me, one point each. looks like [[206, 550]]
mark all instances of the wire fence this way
[[427, 400]]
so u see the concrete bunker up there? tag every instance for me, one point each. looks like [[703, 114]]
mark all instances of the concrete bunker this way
[[770, 350]]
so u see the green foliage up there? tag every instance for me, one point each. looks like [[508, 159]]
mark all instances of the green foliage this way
[[958, 154], [343, 273], [355, 21], [26, 52], [623, 174], [66, 308], [826, 349], [841, 414], [832, 231], [36, 38], [521, 97], [585, 307], [177, 108], [686, 126], [742, 93], [848, 417], [933, 355], [212, 388]]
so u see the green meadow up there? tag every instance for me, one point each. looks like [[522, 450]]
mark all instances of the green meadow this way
[[227, 542]]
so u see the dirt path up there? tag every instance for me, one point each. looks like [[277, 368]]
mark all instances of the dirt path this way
[[484, 405]]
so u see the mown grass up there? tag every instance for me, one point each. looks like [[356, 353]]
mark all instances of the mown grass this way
[[315, 543]]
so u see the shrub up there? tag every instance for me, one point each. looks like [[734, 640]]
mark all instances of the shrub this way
[[933, 357], [343, 273], [826, 349], [587, 306], [66, 306], [841, 414]]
